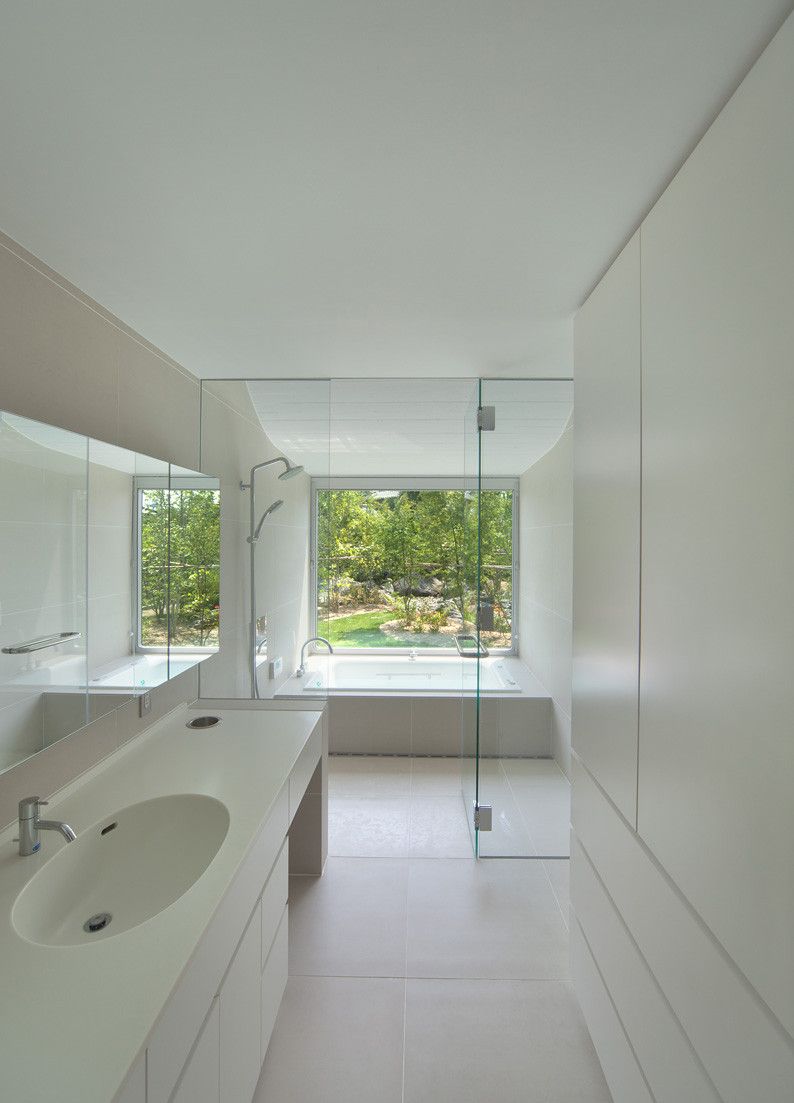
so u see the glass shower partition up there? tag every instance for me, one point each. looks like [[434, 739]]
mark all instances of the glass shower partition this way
[[524, 594], [468, 641]]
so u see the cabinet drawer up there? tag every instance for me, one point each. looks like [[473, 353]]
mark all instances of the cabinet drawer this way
[[274, 980], [200, 1079], [240, 1024], [274, 899], [134, 1090]]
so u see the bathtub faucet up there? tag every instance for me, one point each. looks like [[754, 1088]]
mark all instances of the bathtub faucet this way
[[314, 639]]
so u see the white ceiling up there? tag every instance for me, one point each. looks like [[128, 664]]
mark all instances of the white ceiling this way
[[353, 187], [415, 427]]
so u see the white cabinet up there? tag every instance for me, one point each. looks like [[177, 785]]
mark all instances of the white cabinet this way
[[274, 981], [200, 1080], [134, 1090], [240, 998], [211, 1038], [274, 900], [716, 757], [606, 623]]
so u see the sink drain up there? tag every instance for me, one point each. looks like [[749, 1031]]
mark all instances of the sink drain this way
[[97, 922], [203, 722]]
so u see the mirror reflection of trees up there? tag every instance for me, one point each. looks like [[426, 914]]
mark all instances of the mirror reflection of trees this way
[[399, 568], [180, 567]]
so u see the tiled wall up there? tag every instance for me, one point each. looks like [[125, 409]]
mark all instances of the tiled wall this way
[[509, 727], [232, 442], [546, 583]]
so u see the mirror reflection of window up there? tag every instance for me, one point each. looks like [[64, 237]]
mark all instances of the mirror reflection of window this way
[[178, 567]]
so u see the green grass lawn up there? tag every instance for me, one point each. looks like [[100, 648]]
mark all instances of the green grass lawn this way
[[363, 630]]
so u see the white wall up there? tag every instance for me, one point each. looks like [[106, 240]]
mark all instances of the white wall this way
[[682, 876], [544, 598], [232, 442]]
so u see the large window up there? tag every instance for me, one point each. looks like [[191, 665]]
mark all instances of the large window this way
[[178, 554], [398, 567]]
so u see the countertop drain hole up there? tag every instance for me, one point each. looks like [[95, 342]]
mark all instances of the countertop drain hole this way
[[204, 722], [97, 922]]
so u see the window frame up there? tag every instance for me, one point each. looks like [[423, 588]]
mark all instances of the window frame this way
[[413, 482], [141, 483]]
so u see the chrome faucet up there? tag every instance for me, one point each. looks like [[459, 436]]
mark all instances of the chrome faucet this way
[[30, 825], [314, 639]]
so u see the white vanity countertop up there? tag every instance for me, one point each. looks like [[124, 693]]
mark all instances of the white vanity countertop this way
[[74, 1018]]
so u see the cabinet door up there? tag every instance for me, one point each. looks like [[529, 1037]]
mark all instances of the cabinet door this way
[[240, 1031], [200, 1080], [716, 757], [606, 531], [134, 1090]]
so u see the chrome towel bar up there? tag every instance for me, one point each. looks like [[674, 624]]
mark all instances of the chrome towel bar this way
[[40, 643]]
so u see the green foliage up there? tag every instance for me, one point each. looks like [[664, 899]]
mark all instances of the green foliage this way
[[180, 566], [373, 541]]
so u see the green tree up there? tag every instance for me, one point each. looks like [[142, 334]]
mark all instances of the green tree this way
[[371, 536], [180, 565], [194, 564], [154, 554]]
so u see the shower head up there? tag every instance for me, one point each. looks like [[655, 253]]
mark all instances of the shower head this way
[[270, 509], [291, 470], [287, 473]]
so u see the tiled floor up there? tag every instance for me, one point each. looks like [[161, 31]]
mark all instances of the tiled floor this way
[[412, 807], [417, 974]]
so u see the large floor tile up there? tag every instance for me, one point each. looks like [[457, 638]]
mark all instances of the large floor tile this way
[[548, 823], [492, 919], [368, 827], [439, 828], [436, 777], [511, 1041], [369, 776], [534, 771], [542, 794], [508, 837], [336, 1040], [559, 873], [351, 921]]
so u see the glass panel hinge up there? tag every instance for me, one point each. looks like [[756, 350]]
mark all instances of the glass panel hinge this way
[[486, 418], [483, 817]]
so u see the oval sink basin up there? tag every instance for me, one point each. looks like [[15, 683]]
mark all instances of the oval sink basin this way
[[130, 866]]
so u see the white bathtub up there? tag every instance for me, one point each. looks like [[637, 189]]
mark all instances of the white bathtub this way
[[144, 671], [383, 674]]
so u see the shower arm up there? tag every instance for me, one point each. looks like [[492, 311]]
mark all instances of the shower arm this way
[[258, 467]]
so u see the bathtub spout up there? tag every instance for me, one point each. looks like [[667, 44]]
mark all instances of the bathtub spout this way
[[314, 639]]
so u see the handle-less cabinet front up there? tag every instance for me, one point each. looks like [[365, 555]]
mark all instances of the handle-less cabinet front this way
[[200, 1081], [134, 1089], [240, 1033]]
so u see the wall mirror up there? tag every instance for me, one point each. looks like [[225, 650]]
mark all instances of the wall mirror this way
[[109, 579]]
